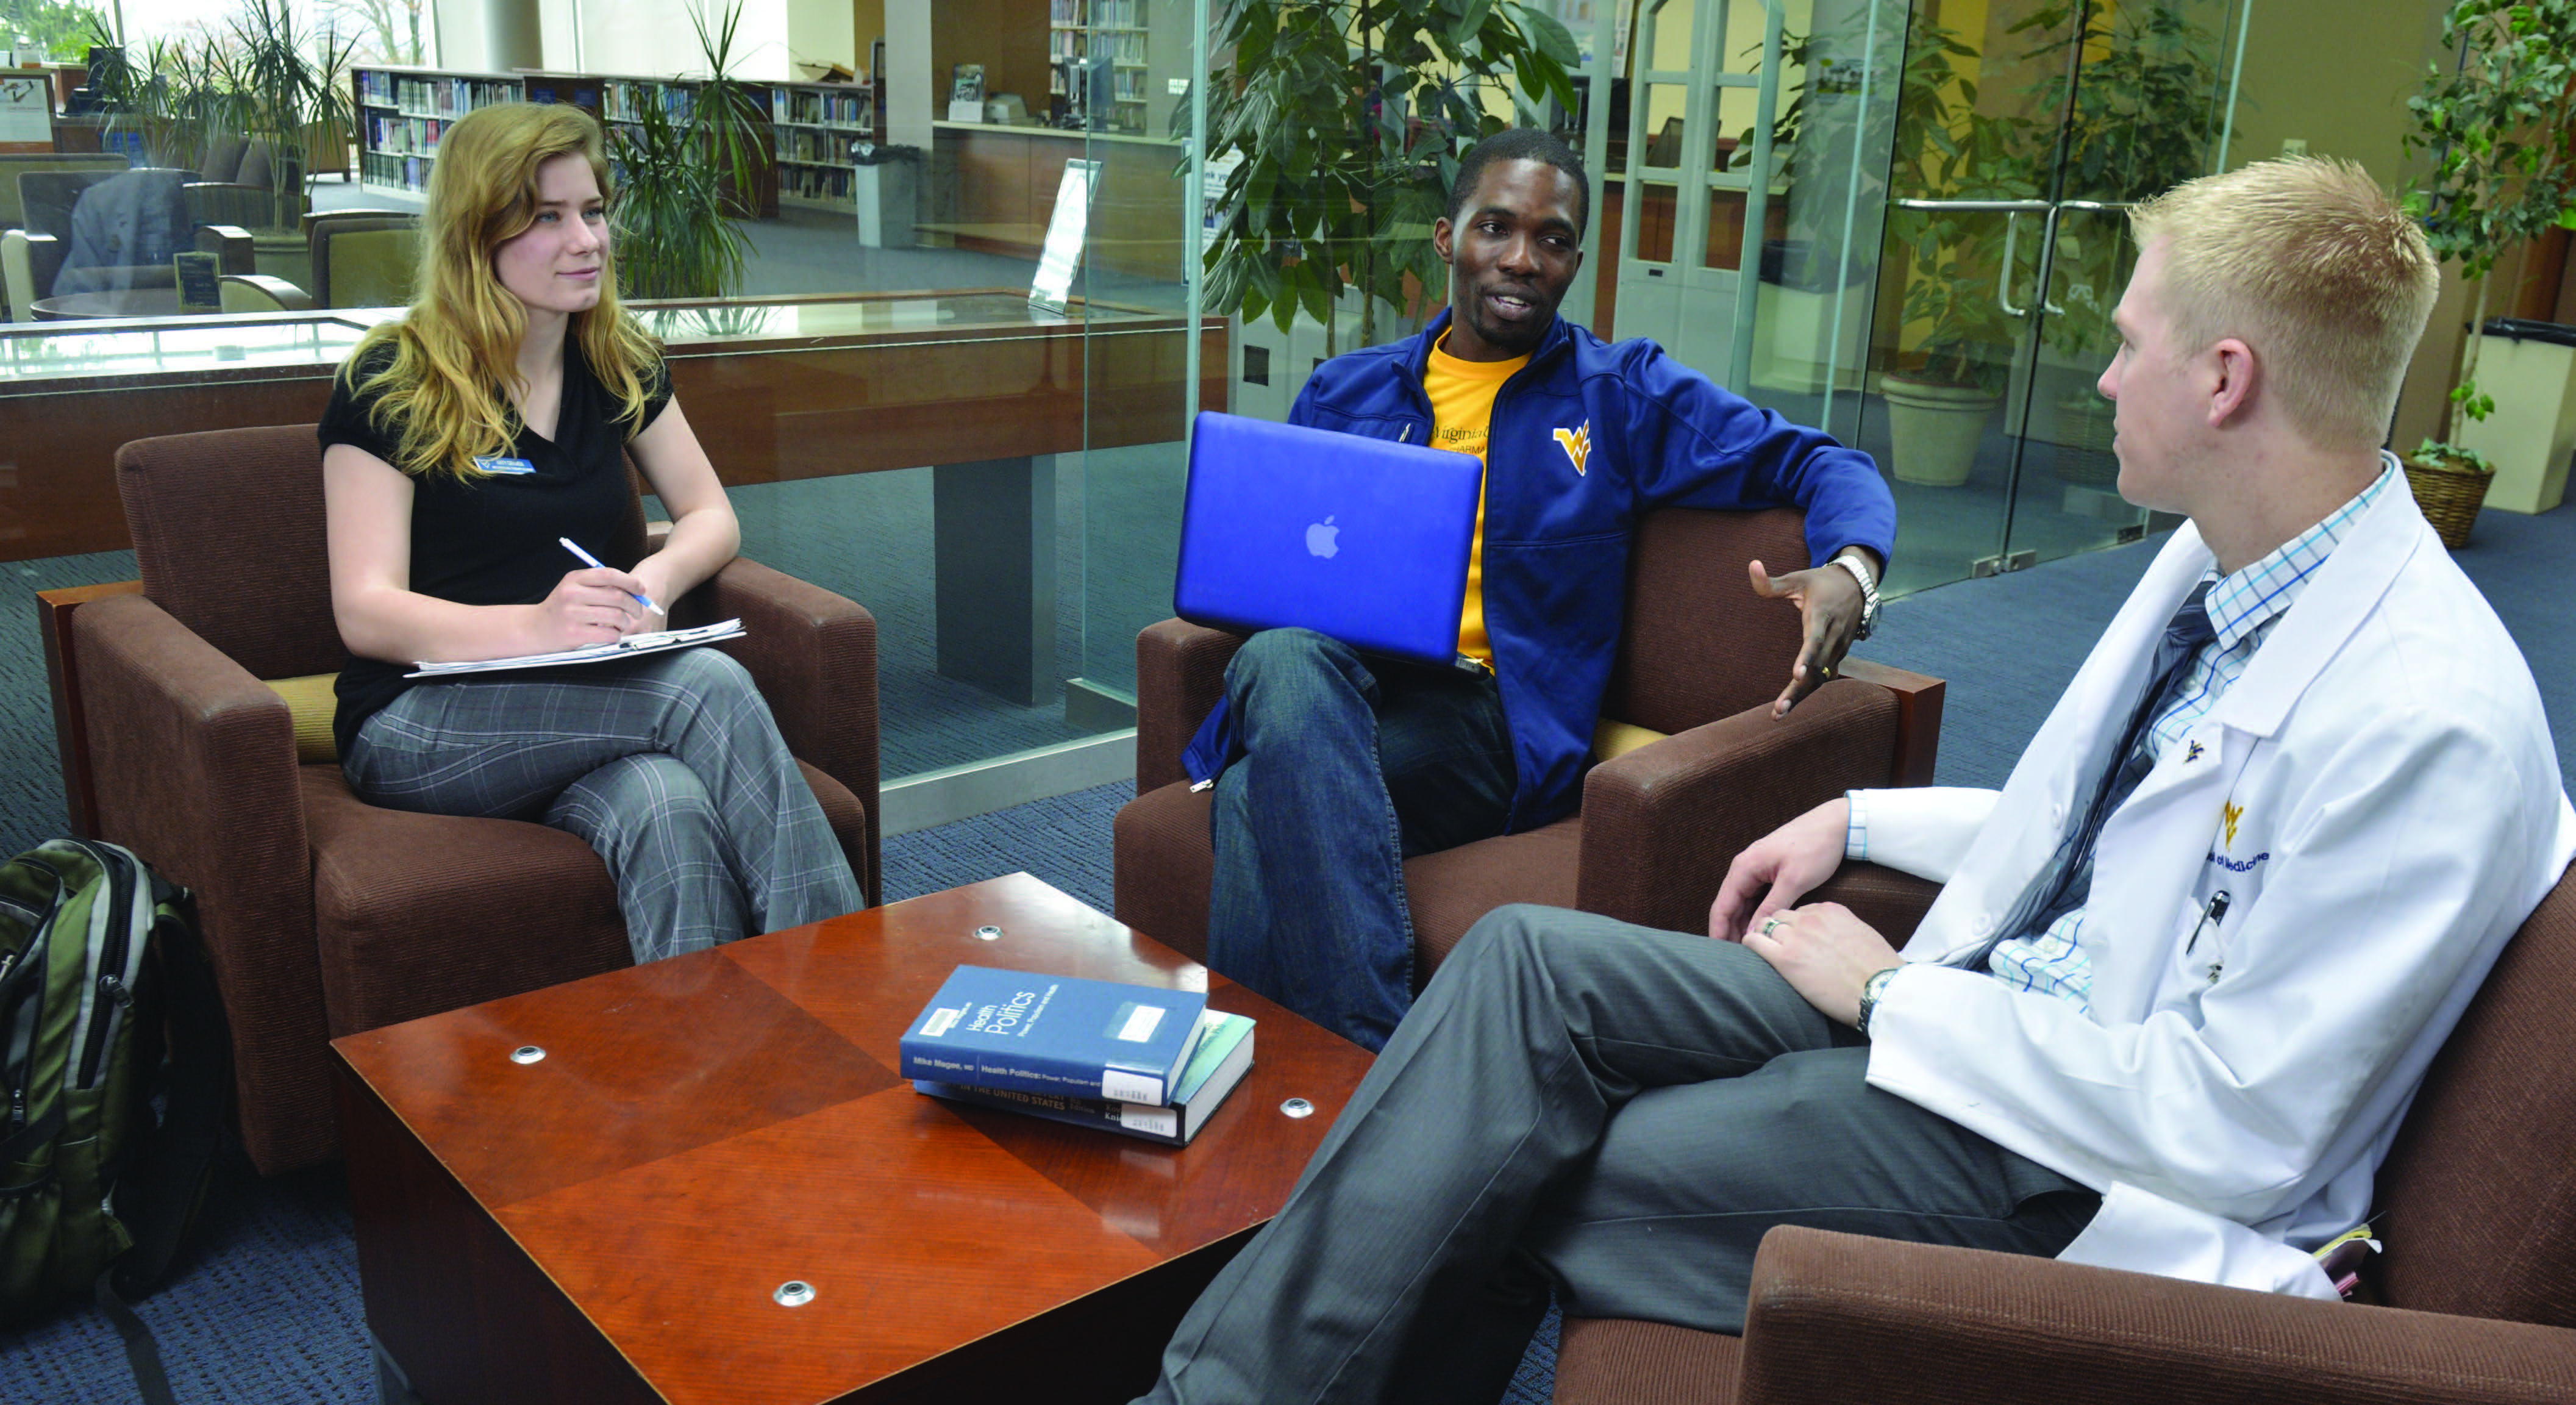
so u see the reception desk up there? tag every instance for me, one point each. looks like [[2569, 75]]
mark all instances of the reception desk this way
[[1003, 189]]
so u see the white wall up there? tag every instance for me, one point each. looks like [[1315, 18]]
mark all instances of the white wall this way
[[824, 31], [653, 38]]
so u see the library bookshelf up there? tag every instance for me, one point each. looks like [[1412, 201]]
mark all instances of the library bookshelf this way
[[1111, 29], [404, 111]]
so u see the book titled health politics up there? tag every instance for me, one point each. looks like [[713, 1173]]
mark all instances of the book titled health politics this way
[[1054, 1034], [1224, 1055]]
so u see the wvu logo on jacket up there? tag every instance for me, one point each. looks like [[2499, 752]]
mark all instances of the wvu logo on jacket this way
[[1577, 444]]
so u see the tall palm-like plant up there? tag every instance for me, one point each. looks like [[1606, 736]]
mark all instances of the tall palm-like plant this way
[[687, 164], [2502, 128], [673, 237], [1349, 117], [293, 92], [173, 97]]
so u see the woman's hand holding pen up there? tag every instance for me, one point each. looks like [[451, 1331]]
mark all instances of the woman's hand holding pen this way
[[594, 605]]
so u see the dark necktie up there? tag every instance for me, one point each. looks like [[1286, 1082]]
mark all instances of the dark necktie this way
[[2067, 881]]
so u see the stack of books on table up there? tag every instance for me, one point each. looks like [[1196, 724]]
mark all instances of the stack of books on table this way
[[1145, 1061]]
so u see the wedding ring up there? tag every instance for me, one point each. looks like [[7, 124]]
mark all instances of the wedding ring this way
[[1770, 922]]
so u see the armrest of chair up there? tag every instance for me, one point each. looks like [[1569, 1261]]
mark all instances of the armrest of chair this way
[[1661, 823], [814, 655], [1840, 1317], [260, 292], [235, 250], [194, 766], [1918, 717], [28, 262], [1180, 675]]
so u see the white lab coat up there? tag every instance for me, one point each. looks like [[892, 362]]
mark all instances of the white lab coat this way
[[2378, 794]]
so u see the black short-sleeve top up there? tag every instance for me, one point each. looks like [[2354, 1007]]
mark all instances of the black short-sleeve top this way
[[492, 541]]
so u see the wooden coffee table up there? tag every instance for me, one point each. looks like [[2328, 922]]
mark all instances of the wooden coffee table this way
[[611, 1222]]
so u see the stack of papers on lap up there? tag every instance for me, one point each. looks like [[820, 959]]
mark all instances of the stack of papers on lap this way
[[626, 648]]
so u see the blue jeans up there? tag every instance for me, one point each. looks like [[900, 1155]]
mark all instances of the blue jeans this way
[[1349, 768]]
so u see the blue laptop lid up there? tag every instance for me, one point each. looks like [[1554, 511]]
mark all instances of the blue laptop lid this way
[[1361, 539]]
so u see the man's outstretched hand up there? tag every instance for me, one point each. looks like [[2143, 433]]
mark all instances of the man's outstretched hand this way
[[1830, 604], [1780, 868]]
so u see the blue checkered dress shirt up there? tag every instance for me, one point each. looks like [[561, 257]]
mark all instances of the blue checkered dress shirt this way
[[2243, 607]]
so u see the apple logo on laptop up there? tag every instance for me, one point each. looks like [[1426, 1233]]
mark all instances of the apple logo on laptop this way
[[1319, 539]]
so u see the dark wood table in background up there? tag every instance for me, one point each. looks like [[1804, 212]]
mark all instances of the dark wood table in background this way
[[610, 1223]]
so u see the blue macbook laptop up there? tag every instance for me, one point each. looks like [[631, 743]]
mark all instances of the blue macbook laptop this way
[[1361, 539]]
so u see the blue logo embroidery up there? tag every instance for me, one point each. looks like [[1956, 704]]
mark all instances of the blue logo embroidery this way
[[2235, 866]]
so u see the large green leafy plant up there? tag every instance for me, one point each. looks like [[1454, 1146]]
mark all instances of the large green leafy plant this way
[[2502, 129], [1349, 117]]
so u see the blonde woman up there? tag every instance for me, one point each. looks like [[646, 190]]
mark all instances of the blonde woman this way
[[460, 443]]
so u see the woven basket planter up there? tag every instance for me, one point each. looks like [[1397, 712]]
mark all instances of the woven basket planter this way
[[2450, 495]]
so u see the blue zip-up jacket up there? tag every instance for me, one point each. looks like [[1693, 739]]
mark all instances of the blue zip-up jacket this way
[[1583, 439]]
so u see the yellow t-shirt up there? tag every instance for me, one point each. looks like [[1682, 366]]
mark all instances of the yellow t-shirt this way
[[1462, 410]]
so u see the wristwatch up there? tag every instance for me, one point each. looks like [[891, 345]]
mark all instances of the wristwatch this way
[[1868, 593], [1870, 991]]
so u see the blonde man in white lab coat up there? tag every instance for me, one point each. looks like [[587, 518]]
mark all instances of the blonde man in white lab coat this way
[[2185, 973]]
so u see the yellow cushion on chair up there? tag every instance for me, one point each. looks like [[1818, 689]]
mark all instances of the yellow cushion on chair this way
[[1614, 739], [311, 701]]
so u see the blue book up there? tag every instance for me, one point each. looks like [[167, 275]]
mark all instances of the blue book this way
[[1224, 1055], [1054, 1034]]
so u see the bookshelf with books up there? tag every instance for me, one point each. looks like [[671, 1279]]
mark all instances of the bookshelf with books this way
[[1114, 30], [819, 127], [402, 113]]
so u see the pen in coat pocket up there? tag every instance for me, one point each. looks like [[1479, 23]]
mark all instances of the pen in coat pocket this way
[[644, 600]]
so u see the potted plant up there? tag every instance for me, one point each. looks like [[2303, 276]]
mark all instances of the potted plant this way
[[1938, 404], [1348, 117], [2502, 128], [685, 168]]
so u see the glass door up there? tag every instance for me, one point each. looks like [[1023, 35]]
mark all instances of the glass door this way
[[2025, 129], [1700, 127]]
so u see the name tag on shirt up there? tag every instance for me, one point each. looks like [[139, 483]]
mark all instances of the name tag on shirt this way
[[500, 465]]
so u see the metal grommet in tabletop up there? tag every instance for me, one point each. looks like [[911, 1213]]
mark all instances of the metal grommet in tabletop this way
[[527, 1054], [795, 1292], [988, 934], [1297, 1107]]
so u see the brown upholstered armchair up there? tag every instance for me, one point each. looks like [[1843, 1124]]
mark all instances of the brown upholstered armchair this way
[[324, 915], [1694, 766], [2476, 1294]]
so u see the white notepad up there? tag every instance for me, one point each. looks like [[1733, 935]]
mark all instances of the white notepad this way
[[626, 648]]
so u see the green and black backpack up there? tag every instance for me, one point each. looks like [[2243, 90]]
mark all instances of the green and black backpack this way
[[100, 977]]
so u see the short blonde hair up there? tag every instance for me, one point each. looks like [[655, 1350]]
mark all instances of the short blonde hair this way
[[2311, 264]]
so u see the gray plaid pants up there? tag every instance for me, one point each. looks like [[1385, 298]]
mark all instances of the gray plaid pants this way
[[669, 765]]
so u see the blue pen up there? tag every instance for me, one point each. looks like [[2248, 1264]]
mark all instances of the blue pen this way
[[589, 560]]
